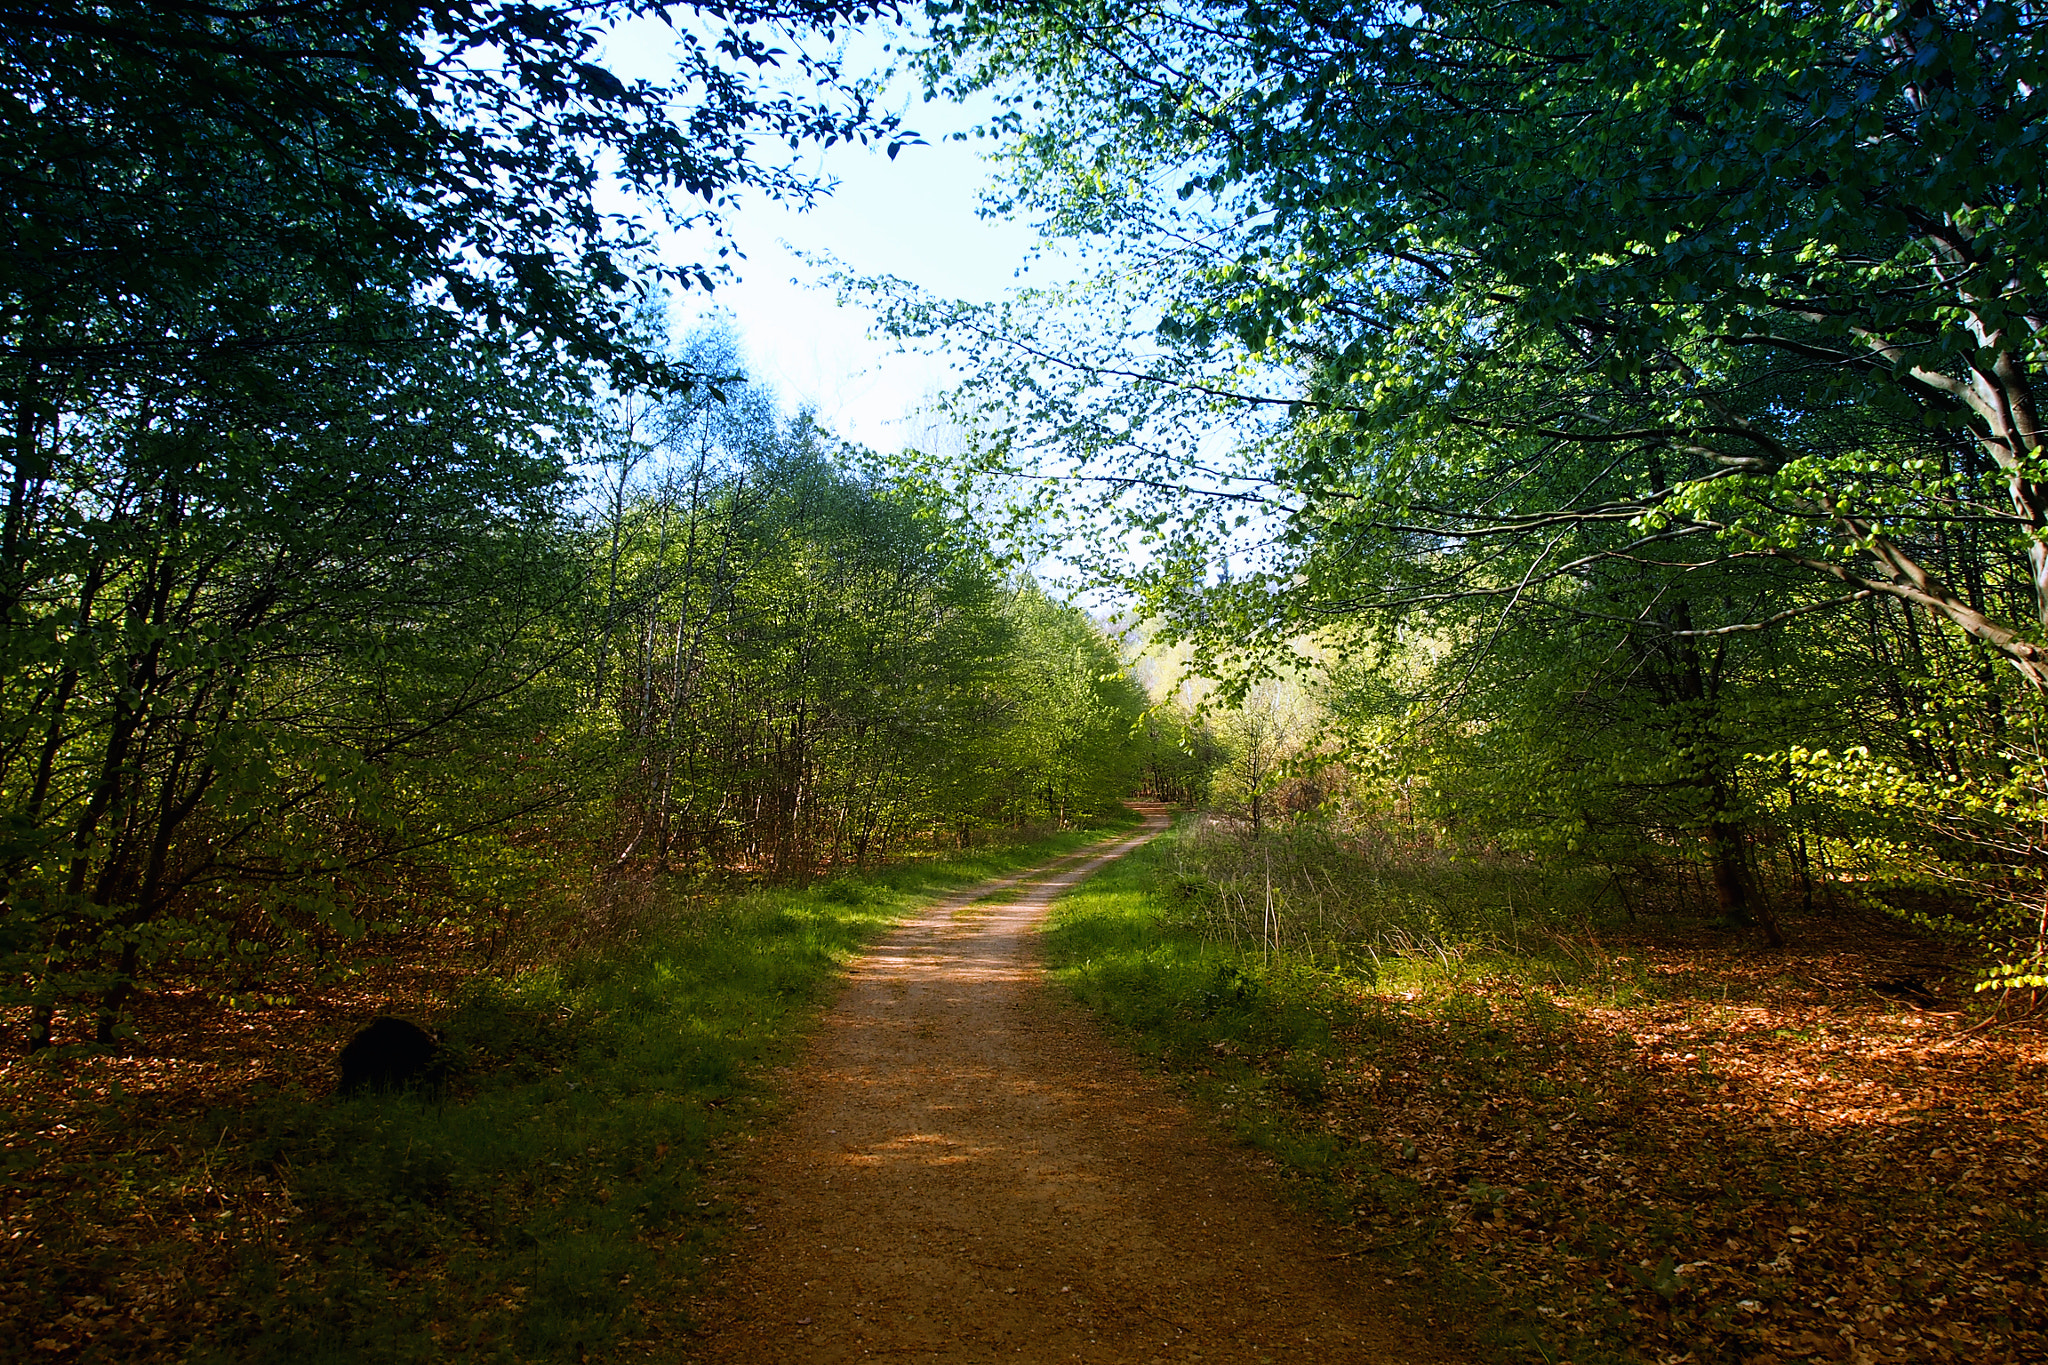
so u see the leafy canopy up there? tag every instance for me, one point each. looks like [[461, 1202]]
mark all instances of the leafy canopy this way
[[1489, 293]]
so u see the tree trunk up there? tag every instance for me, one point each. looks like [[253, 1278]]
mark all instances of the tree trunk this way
[[1732, 889], [42, 1024]]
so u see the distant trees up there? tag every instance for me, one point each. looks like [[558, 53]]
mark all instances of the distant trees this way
[[810, 665], [1257, 737], [1180, 752]]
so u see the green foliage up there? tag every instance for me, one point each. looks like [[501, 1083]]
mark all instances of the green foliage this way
[[1179, 752], [1721, 324], [1263, 742], [307, 318], [1974, 834], [1071, 742], [1613, 392], [235, 654], [182, 177], [807, 664], [299, 320]]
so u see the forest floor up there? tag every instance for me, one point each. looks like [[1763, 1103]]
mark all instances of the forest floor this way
[[199, 1194], [971, 1171], [1648, 1141], [1622, 1142]]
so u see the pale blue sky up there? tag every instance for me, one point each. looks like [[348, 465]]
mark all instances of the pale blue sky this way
[[914, 217]]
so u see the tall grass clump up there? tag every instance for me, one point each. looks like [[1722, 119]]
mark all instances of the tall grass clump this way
[[1364, 901]]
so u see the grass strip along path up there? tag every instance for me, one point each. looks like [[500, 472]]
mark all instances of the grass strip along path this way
[[200, 1195], [1654, 1144], [971, 1172]]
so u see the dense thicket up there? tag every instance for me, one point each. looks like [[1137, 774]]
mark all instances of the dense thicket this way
[[809, 664]]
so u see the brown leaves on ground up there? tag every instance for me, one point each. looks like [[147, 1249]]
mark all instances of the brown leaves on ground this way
[[1764, 1157], [120, 1225]]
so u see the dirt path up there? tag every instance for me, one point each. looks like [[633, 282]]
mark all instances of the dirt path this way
[[973, 1173]]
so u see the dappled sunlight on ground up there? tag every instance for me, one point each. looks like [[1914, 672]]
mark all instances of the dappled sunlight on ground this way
[[1750, 1156]]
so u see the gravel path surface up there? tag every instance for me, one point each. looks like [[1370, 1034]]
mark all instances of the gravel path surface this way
[[973, 1172]]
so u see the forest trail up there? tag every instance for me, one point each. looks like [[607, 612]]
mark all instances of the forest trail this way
[[972, 1172]]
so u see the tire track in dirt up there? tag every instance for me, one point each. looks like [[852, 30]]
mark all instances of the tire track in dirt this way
[[972, 1172]]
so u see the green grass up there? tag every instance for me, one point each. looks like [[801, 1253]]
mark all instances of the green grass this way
[[1283, 1049], [1197, 1005], [547, 1204], [1123, 945]]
